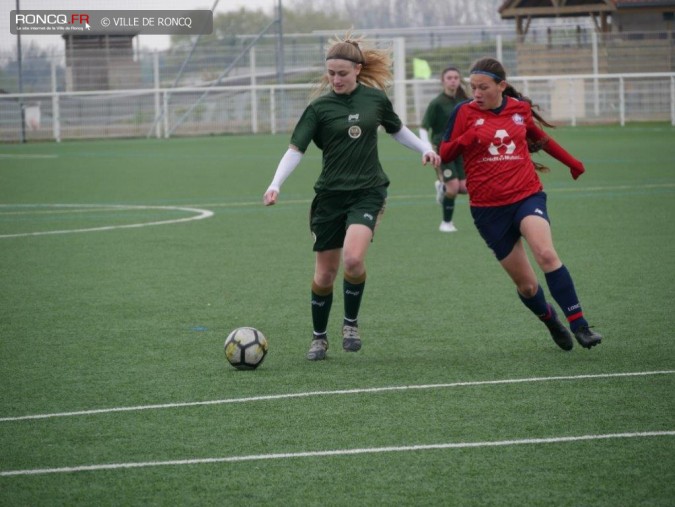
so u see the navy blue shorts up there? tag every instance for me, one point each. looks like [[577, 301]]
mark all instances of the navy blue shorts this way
[[500, 225]]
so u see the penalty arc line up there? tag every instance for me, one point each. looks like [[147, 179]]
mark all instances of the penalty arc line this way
[[200, 214], [336, 452], [370, 390]]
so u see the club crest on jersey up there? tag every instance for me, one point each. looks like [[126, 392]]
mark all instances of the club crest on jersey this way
[[354, 132], [517, 119]]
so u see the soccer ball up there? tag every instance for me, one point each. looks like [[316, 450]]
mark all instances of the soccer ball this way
[[245, 348]]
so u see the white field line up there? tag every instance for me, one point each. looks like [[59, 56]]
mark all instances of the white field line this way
[[33, 210], [199, 215], [425, 196], [26, 155], [370, 390], [202, 213], [336, 452]]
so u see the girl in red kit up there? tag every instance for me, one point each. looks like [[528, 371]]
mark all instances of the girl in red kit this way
[[495, 133]]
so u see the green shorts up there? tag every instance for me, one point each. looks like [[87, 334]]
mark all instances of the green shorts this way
[[453, 170], [332, 212]]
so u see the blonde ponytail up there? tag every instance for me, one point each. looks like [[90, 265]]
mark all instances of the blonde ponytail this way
[[376, 63]]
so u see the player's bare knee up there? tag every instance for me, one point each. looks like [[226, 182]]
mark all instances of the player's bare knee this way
[[547, 259], [528, 290], [325, 278], [354, 266]]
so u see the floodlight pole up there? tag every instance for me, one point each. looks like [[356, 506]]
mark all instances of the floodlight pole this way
[[280, 44], [280, 60], [160, 116], [19, 61]]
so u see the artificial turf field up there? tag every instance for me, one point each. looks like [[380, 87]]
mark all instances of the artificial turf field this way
[[124, 264]]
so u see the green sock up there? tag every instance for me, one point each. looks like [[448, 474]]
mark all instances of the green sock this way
[[321, 305], [353, 292]]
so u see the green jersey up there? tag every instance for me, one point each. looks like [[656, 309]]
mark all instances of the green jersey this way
[[345, 127], [437, 114]]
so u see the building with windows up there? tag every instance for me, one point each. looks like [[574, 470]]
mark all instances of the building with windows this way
[[101, 62]]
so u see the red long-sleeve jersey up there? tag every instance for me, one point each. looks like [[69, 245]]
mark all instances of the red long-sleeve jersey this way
[[497, 162]]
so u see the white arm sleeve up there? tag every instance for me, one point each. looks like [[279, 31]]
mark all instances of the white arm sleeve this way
[[406, 137], [424, 135], [286, 166]]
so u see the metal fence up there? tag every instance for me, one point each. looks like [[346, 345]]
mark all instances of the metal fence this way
[[566, 100], [576, 76]]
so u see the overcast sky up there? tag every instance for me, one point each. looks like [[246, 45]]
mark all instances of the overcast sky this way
[[8, 41]]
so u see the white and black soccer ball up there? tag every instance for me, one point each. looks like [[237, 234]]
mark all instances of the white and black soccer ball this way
[[245, 348]]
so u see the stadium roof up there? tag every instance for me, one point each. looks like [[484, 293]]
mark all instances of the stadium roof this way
[[627, 4], [568, 8]]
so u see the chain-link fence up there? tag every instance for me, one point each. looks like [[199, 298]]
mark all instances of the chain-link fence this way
[[576, 76]]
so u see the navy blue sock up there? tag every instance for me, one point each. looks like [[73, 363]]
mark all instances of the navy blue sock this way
[[448, 208], [537, 304], [562, 289]]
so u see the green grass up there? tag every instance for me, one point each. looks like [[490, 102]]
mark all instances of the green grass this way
[[136, 316]]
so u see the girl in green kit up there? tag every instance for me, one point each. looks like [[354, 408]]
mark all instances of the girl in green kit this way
[[352, 188], [451, 179]]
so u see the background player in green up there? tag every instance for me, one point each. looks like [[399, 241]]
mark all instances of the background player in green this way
[[451, 179], [352, 188]]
